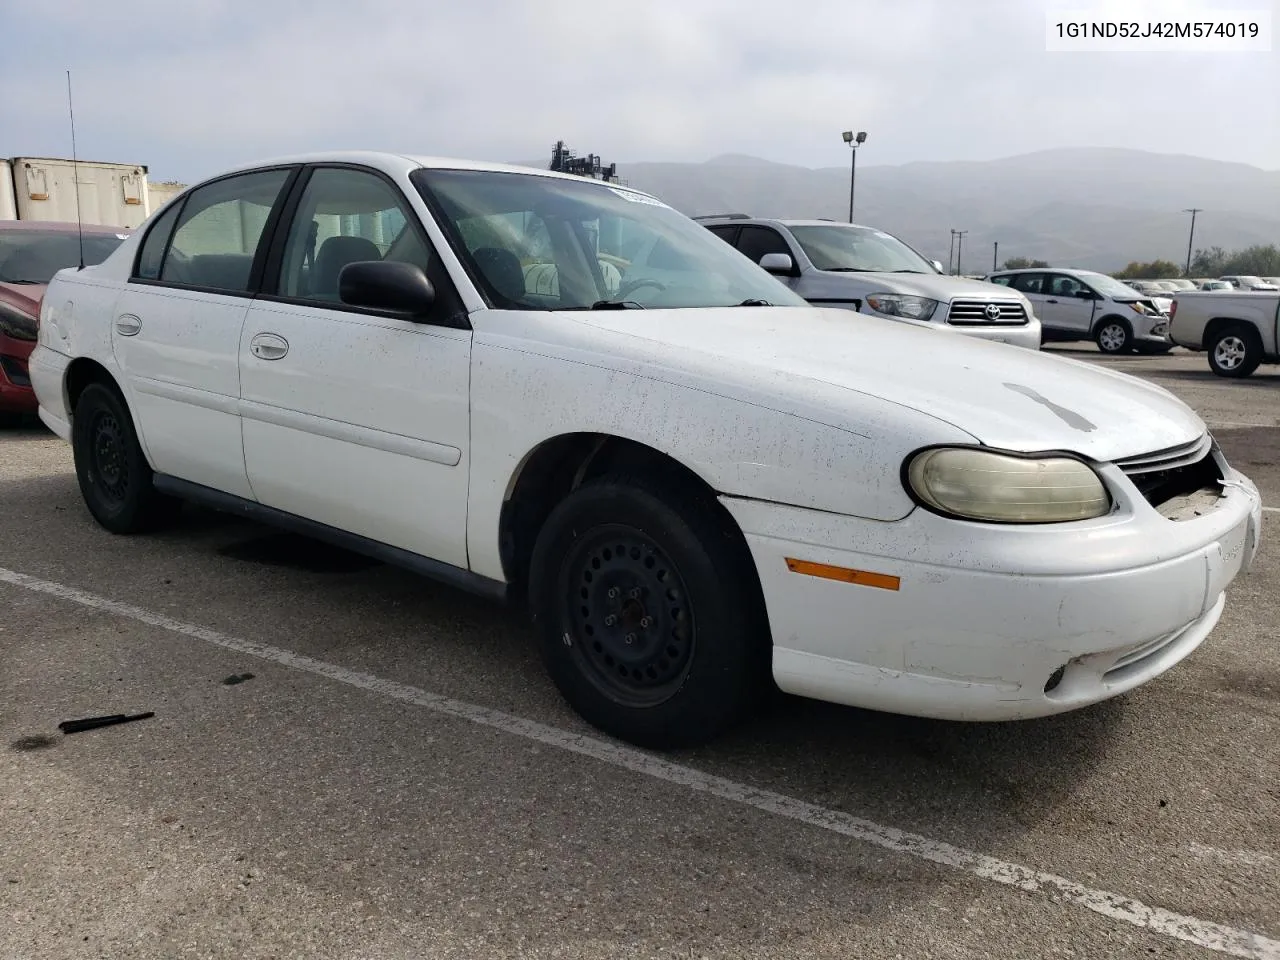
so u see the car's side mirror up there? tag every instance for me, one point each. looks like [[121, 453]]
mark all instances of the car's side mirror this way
[[399, 288], [779, 264], [1084, 294], [937, 265]]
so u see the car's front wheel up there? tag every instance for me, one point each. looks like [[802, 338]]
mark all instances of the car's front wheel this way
[[1234, 351], [115, 478], [1114, 336], [650, 613]]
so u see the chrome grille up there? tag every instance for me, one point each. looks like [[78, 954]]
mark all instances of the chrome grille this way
[[974, 312]]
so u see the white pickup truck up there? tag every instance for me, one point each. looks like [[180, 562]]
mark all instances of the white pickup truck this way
[[1237, 330]]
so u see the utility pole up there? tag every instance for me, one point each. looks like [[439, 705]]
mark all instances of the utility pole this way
[[1191, 239], [995, 254], [959, 247], [951, 251]]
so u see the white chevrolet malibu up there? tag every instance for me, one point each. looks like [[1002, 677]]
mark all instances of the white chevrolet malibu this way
[[542, 386]]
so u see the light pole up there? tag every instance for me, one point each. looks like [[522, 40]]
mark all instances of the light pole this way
[[959, 247], [995, 254], [1191, 239], [854, 141], [951, 251]]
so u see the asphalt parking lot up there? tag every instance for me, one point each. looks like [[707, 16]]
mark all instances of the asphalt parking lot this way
[[398, 780]]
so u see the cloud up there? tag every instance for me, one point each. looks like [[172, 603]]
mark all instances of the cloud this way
[[189, 89]]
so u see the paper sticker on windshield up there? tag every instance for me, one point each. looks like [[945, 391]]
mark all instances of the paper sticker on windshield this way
[[637, 197]]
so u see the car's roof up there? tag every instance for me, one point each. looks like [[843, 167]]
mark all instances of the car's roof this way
[[784, 221], [57, 226], [399, 163], [1072, 270]]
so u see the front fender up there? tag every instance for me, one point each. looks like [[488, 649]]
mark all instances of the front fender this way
[[753, 448]]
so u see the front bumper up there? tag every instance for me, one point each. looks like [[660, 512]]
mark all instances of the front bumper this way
[[16, 395], [1027, 335], [1147, 329], [991, 623]]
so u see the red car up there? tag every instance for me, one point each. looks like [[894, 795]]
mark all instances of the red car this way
[[31, 252]]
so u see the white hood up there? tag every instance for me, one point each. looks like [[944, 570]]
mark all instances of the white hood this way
[[1006, 397], [935, 286]]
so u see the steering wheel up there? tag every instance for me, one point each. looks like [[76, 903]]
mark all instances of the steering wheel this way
[[633, 285]]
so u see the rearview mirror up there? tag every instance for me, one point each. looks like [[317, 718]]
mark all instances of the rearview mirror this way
[[937, 265], [400, 288], [779, 264]]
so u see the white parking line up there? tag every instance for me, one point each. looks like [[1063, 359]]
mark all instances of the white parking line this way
[[1203, 933], [1271, 509], [1234, 423]]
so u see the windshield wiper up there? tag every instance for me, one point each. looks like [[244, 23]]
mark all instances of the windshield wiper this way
[[755, 302], [906, 271], [617, 305], [33, 283], [848, 270]]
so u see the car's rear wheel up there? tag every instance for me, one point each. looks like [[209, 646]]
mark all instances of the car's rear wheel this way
[[1234, 351], [115, 478], [1113, 335], [650, 614]]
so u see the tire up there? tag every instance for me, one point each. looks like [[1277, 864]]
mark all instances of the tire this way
[[1234, 351], [1113, 336], [115, 478], [671, 674]]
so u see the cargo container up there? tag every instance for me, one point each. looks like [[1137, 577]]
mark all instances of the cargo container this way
[[112, 194], [8, 208]]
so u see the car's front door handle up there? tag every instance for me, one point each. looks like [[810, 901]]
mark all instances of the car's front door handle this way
[[127, 325], [268, 346], [1052, 301]]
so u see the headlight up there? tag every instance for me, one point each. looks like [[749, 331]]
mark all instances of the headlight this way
[[14, 323], [1136, 307], [900, 305], [1002, 488]]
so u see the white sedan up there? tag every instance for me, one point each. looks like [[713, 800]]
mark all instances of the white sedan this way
[[698, 480]]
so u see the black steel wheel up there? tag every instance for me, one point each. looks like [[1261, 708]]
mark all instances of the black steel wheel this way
[[625, 598], [652, 621], [115, 478]]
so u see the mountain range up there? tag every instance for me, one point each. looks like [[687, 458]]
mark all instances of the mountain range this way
[[1081, 207]]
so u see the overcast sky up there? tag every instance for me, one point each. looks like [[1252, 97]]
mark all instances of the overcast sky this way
[[192, 86]]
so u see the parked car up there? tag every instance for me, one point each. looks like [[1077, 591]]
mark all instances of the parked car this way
[[1179, 284], [1250, 283], [869, 271], [1217, 285], [697, 479], [30, 254], [1083, 305], [1237, 330]]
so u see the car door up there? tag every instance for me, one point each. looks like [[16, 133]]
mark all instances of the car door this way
[[1033, 286], [176, 326], [352, 418], [755, 241], [1068, 304]]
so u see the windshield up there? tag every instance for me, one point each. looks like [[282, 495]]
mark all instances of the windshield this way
[[1107, 286], [34, 256], [548, 243], [846, 247]]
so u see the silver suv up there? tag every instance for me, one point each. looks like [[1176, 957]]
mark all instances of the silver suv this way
[[867, 270]]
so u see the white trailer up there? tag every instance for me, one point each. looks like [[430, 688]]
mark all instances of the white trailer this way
[[112, 194], [8, 206]]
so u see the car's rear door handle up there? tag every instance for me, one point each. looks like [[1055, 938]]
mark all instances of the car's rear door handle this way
[[127, 325], [268, 346]]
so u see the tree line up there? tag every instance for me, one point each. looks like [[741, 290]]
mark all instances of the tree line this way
[[1261, 260]]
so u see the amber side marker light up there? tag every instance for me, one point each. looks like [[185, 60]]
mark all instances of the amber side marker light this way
[[863, 578]]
